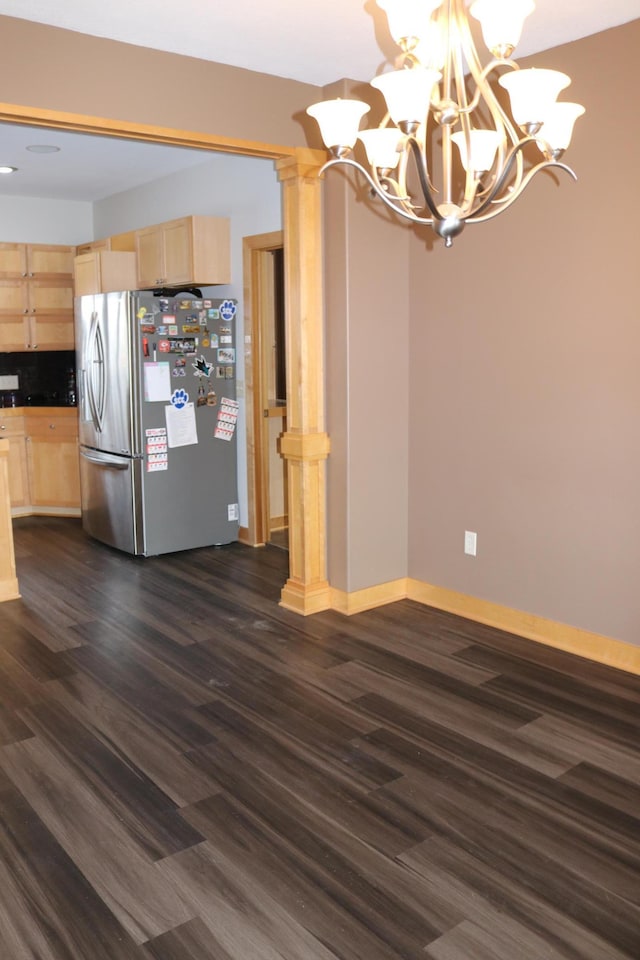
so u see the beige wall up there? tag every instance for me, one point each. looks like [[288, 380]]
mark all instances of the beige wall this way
[[367, 312], [50, 68], [367, 358], [525, 384]]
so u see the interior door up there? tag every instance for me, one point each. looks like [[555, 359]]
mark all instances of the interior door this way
[[265, 389]]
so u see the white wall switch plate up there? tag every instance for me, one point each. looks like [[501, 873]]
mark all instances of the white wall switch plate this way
[[470, 543]]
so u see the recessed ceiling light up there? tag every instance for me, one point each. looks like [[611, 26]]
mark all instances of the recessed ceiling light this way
[[4, 168], [43, 148]]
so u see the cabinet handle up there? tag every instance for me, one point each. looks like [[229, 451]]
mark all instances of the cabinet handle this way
[[52, 426], [2, 426]]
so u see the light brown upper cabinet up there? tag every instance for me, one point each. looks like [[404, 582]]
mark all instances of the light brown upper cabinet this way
[[36, 260], [102, 271], [36, 314], [188, 250]]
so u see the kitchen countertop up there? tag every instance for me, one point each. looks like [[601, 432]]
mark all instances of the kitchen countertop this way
[[38, 412]]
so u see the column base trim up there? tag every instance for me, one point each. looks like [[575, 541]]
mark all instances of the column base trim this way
[[561, 636], [305, 598], [9, 590]]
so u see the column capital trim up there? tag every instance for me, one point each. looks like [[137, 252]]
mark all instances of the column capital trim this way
[[305, 446], [304, 164]]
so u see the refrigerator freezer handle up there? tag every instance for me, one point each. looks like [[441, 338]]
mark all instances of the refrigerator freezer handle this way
[[104, 460]]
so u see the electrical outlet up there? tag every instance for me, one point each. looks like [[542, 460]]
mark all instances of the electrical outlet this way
[[232, 511], [470, 543]]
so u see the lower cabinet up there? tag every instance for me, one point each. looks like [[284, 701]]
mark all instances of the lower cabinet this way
[[12, 429], [44, 471]]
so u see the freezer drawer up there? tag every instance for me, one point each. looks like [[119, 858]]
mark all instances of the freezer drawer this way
[[112, 499]]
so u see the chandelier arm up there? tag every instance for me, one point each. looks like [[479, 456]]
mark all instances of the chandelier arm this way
[[424, 179], [502, 121], [482, 78], [401, 207], [470, 182], [402, 173], [506, 202], [501, 181], [448, 78]]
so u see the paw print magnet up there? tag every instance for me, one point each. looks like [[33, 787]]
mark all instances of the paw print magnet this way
[[179, 398]]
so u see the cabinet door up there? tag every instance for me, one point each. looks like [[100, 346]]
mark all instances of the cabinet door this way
[[104, 271], [14, 315], [54, 473], [150, 252], [18, 472], [12, 429], [86, 271], [13, 260], [14, 334], [50, 260], [50, 333], [211, 250], [54, 470], [178, 251], [51, 315], [53, 297], [14, 297], [49, 302]]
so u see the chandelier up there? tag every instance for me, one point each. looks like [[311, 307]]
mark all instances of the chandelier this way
[[440, 97]]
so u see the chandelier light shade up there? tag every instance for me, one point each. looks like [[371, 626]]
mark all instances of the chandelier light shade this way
[[339, 121], [440, 95]]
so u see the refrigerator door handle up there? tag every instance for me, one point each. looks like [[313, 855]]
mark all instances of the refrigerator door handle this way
[[104, 460], [96, 381], [82, 393]]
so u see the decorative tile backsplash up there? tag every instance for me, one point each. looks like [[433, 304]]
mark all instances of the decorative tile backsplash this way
[[43, 377]]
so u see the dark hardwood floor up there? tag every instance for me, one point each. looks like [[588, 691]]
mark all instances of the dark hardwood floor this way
[[190, 772]]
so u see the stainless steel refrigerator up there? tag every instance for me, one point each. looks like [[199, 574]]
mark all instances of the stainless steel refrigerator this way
[[157, 420]]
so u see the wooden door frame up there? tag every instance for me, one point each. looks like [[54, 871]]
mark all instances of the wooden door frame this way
[[305, 444], [254, 249]]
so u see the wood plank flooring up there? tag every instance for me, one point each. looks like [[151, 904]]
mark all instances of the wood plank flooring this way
[[190, 772]]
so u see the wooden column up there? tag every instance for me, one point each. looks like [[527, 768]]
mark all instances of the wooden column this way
[[305, 444], [8, 580]]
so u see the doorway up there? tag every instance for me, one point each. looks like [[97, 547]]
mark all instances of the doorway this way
[[266, 391], [305, 444]]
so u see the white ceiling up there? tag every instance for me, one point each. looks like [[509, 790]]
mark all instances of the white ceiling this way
[[87, 167], [316, 41]]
